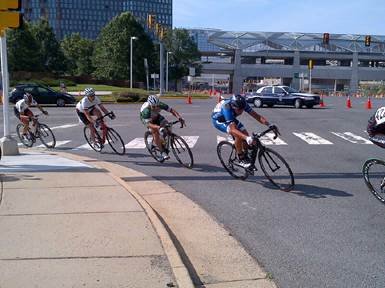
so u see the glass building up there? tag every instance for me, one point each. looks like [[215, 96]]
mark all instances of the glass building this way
[[88, 17]]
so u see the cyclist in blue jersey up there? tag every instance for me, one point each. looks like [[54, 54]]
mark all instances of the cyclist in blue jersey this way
[[224, 118]]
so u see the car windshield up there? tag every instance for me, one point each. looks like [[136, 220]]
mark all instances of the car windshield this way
[[289, 89]]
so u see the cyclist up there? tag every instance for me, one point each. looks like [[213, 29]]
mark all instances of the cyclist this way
[[376, 127], [24, 114], [151, 118], [224, 118], [88, 107]]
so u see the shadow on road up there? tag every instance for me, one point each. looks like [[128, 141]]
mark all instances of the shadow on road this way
[[316, 192]]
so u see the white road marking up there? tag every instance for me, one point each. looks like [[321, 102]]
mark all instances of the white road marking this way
[[83, 147], [191, 140], [137, 143], [58, 143], [268, 139], [312, 138], [228, 138], [65, 126], [348, 136]]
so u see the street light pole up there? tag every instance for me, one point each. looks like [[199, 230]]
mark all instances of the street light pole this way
[[168, 52], [132, 38]]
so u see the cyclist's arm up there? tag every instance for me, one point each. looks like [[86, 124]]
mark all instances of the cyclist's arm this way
[[175, 113], [103, 108], [41, 108], [259, 118], [89, 117]]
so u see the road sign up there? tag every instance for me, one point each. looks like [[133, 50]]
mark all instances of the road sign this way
[[154, 76], [9, 18]]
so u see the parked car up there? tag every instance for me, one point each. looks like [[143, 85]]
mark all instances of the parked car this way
[[42, 95], [282, 95]]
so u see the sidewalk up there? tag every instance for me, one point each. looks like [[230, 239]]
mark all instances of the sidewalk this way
[[65, 223]]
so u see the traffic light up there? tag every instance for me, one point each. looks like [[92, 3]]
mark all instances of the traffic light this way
[[151, 21], [310, 64], [158, 28], [368, 39], [325, 39], [9, 15]]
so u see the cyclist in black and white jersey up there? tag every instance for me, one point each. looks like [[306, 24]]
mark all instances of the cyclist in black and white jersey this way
[[376, 127], [88, 107]]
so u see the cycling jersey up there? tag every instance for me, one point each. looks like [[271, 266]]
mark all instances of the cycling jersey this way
[[86, 104], [148, 115], [21, 105], [376, 123]]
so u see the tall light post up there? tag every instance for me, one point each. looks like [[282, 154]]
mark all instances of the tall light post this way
[[132, 38], [168, 52]]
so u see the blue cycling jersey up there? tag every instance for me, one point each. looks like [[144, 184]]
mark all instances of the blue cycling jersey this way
[[223, 112]]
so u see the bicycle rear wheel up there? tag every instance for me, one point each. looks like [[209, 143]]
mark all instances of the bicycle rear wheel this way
[[115, 141], [276, 169], [95, 145], [374, 176], [46, 136], [181, 151], [27, 139], [151, 147], [228, 157]]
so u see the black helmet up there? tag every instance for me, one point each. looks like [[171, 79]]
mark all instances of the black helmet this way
[[238, 101]]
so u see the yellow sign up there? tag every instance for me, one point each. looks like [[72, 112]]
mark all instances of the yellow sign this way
[[310, 64], [10, 19], [10, 4]]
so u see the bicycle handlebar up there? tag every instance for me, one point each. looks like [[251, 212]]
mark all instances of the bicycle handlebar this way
[[110, 114], [169, 124], [274, 129]]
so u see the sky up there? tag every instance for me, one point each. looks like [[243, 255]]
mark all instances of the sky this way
[[364, 17]]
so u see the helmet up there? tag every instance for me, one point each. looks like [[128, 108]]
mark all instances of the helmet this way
[[153, 100], [238, 101], [89, 92], [27, 97]]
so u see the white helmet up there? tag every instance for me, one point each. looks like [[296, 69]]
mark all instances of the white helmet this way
[[89, 92], [153, 100], [27, 97]]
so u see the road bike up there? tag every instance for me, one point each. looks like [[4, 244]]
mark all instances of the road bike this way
[[273, 165], [373, 171], [170, 141], [113, 138], [39, 131]]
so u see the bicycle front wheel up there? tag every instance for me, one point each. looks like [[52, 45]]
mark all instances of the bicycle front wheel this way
[[374, 176], [181, 151], [115, 141], [276, 169], [228, 157], [27, 139], [95, 145], [151, 147], [46, 136]]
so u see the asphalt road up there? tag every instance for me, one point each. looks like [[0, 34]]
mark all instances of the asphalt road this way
[[327, 232]]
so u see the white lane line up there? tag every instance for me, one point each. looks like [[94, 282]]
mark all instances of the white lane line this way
[[228, 138], [137, 143], [268, 139], [191, 140], [312, 138], [352, 138], [83, 147], [58, 143], [65, 126]]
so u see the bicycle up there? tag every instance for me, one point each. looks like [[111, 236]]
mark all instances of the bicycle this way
[[273, 165], [373, 171], [177, 144], [41, 131], [113, 138]]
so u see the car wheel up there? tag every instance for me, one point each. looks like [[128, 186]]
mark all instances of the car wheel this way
[[309, 106], [298, 103], [258, 103], [60, 102]]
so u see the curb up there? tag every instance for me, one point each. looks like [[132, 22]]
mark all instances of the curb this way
[[178, 268]]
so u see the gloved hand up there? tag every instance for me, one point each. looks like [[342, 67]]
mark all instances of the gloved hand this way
[[45, 112], [162, 131], [249, 140], [112, 116], [274, 128]]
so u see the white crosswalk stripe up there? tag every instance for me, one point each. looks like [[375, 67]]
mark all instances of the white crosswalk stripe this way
[[65, 126], [138, 143], [221, 138], [83, 147], [268, 139], [312, 138], [191, 140], [58, 143], [352, 138]]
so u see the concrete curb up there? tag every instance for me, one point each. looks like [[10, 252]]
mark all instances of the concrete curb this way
[[179, 270]]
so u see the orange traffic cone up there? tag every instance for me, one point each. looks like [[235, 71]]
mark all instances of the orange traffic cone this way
[[348, 103], [369, 104], [189, 99], [322, 103]]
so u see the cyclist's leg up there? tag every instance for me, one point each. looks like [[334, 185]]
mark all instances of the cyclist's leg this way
[[96, 112], [238, 131], [160, 120], [86, 122], [25, 119]]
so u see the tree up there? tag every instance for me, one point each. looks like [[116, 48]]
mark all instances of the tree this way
[[23, 50], [112, 49], [51, 55], [185, 53], [78, 52]]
